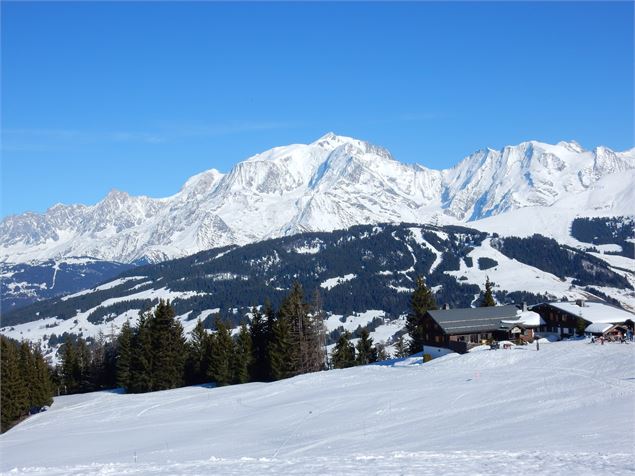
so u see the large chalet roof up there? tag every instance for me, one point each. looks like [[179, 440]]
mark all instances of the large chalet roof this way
[[477, 319], [594, 312]]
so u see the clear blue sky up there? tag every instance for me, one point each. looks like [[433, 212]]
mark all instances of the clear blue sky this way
[[140, 96]]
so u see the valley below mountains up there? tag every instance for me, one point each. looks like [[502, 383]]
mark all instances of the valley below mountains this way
[[364, 275]]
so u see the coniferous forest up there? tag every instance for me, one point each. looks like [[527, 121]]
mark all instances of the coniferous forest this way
[[26, 385], [154, 354]]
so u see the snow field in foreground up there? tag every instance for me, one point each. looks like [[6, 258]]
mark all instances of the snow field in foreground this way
[[568, 408]]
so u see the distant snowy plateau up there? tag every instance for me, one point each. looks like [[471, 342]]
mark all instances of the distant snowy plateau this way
[[334, 183], [564, 410]]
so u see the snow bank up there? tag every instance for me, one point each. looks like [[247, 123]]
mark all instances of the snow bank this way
[[566, 409]]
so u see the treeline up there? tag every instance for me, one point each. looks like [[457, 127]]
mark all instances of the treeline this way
[[155, 355], [268, 269], [345, 354], [606, 230], [26, 385], [86, 365], [561, 261]]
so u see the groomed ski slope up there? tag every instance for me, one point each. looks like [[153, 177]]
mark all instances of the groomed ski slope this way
[[566, 409]]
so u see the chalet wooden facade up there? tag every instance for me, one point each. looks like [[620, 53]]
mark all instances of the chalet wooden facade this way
[[569, 319], [462, 329]]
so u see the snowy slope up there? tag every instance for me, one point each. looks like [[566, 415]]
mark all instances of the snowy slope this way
[[332, 183], [612, 195], [567, 409], [24, 283]]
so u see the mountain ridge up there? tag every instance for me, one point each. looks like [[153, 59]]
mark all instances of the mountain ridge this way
[[332, 183]]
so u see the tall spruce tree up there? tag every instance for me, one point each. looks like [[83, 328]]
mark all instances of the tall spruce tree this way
[[317, 342], [167, 348], [25, 382], [294, 311], [366, 353], [281, 349], [98, 367], [83, 376], [270, 321], [344, 352], [421, 301], [27, 371], [141, 356], [70, 368], [199, 354], [42, 392], [488, 297], [401, 348], [242, 355], [221, 368], [124, 356], [259, 368], [381, 352], [13, 393]]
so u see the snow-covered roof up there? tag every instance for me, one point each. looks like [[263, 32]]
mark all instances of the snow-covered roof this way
[[598, 328], [472, 319], [526, 318], [595, 312]]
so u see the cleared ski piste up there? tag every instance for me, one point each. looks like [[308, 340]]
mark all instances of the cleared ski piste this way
[[566, 409]]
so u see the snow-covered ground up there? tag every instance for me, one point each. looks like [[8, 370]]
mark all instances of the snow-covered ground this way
[[332, 282], [566, 409]]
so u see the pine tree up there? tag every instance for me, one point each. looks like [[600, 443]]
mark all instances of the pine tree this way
[[141, 356], [294, 311], [317, 347], [168, 348], [124, 356], [259, 369], [13, 392], [488, 297], [35, 375], [97, 367], [27, 372], [83, 368], [42, 392], [365, 351], [380, 351], [281, 351], [221, 368], [270, 322], [421, 301], [344, 352], [242, 355], [70, 370], [163, 371], [199, 355], [108, 378], [401, 348]]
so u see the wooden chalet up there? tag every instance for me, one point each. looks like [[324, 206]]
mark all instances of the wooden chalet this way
[[608, 331], [569, 319], [462, 329]]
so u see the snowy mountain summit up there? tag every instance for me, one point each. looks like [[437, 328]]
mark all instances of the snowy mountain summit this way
[[332, 183]]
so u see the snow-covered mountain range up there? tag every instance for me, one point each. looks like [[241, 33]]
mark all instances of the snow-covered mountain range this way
[[332, 183]]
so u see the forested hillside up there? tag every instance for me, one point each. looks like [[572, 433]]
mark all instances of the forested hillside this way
[[363, 269]]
